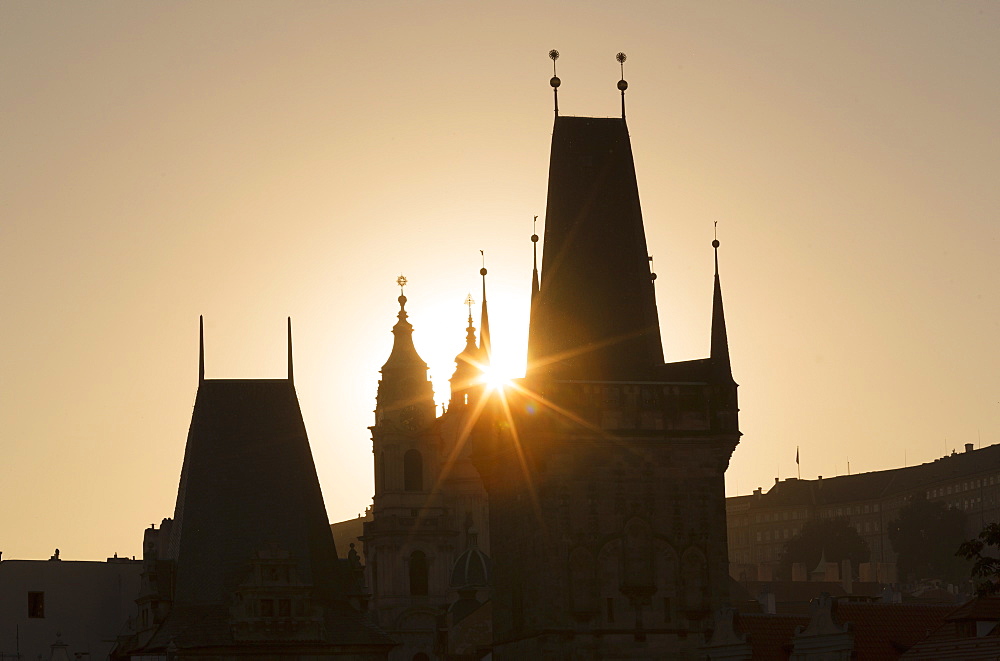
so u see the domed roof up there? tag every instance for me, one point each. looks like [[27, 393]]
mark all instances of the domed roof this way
[[472, 568]]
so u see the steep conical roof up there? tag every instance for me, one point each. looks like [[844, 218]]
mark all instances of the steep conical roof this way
[[595, 313]]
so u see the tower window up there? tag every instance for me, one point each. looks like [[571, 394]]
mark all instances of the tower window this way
[[418, 573], [36, 604], [413, 471]]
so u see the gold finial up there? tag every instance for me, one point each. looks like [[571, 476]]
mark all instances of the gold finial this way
[[622, 84], [401, 281], [554, 81], [469, 302]]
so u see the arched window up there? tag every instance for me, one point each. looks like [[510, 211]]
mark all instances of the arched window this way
[[413, 471], [418, 573]]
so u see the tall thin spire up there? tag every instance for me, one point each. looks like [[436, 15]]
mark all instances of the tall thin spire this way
[[290, 350], [484, 321], [720, 341], [534, 270], [201, 348], [622, 84], [554, 81]]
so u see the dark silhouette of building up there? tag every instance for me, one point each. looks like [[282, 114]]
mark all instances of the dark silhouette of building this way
[[425, 559], [247, 566], [762, 523], [604, 466]]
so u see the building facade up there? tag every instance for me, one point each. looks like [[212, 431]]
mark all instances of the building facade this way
[[83, 606], [761, 524]]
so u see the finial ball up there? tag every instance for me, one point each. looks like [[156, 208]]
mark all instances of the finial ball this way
[[482, 271], [534, 238], [555, 82], [554, 54], [402, 301], [621, 57], [652, 276], [715, 243], [622, 85]]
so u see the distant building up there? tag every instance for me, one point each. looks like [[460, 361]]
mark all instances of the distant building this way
[[762, 523], [82, 605]]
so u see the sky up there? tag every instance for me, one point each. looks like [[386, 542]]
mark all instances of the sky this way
[[253, 160]]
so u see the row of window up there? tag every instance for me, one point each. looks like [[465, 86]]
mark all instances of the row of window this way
[[964, 486]]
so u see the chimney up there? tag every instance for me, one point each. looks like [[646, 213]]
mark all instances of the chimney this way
[[969, 447], [757, 491], [775, 480]]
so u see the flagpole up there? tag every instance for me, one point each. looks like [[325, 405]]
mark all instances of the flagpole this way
[[798, 466]]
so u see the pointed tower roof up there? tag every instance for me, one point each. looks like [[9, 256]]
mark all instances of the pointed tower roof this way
[[485, 346], [720, 342], [404, 375], [595, 314]]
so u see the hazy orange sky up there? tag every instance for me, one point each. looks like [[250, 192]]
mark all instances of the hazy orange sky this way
[[253, 160]]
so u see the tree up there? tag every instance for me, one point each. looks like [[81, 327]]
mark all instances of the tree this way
[[834, 539], [986, 568], [924, 538]]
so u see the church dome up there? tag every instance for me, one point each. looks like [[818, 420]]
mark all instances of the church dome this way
[[472, 568]]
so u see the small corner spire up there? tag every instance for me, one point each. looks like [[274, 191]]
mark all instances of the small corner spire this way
[[622, 84], [484, 322], [720, 340], [201, 348], [554, 81], [290, 372], [534, 270]]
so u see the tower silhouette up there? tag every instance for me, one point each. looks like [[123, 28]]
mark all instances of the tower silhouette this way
[[605, 466]]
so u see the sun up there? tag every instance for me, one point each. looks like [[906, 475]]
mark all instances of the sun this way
[[495, 377]]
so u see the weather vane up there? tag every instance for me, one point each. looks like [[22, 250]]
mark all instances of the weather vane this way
[[401, 281], [555, 82], [469, 302], [622, 84]]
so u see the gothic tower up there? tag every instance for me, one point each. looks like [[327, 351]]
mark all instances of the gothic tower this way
[[605, 466], [247, 567]]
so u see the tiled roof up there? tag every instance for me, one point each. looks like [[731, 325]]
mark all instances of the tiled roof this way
[[957, 637], [885, 631], [770, 636]]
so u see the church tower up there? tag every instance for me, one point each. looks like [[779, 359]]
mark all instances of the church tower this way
[[605, 466], [421, 510]]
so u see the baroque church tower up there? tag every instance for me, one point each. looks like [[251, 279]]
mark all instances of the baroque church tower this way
[[422, 545], [605, 465]]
